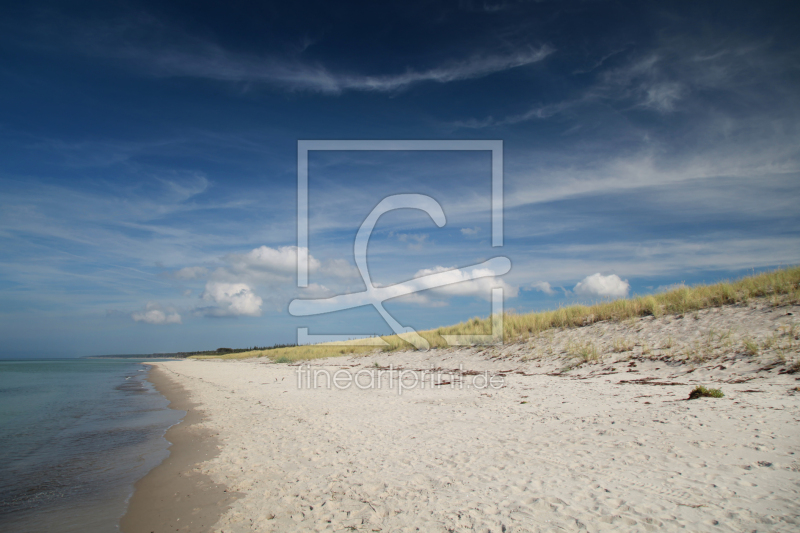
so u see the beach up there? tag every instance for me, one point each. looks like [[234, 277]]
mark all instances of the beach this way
[[175, 489], [526, 436]]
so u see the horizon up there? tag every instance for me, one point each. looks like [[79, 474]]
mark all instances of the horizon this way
[[148, 190]]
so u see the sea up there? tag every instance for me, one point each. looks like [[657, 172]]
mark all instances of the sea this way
[[75, 435]]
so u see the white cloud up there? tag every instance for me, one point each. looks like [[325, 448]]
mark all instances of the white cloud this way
[[315, 290], [470, 231], [191, 273], [460, 283], [230, 289], [231, 299], [281, 260], [543, 286], [156, 314], [411, 291], [610, 286]]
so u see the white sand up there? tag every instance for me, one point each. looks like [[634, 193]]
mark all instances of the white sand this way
[[586, 452]]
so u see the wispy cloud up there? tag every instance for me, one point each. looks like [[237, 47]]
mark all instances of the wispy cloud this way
[[674, 75], [653, 258], [161, 50], [212, 62], [760, 151], [415, 241]]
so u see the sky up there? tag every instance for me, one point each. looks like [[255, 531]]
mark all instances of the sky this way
[[148, 160]]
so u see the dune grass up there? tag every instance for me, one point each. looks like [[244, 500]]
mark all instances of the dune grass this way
[[702, 392], [783, 284], [295, 353]]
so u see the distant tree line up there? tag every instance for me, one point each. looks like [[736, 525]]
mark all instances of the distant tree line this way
[[218, 351], [221, 351]]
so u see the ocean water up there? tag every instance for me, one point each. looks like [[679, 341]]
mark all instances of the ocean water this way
[[75, 435]]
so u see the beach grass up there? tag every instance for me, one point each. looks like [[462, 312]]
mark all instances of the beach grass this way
[[782, 285], [702, 392]]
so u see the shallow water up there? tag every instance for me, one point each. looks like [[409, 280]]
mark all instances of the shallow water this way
[[75, 435]]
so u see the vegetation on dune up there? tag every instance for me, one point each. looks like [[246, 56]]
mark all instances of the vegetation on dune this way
[[782, 285], [296, 353], [702, 392]]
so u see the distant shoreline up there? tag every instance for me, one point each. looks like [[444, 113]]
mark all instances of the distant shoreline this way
[[134, 356]]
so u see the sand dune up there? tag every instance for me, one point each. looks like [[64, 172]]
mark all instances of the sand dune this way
[[611, 444]]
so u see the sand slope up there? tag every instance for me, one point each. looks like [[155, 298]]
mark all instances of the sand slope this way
[[610, 445]]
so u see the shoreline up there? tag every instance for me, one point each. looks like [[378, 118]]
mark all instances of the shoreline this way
[[175, 494]]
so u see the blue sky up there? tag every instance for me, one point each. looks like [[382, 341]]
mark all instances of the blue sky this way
[[148, 159]]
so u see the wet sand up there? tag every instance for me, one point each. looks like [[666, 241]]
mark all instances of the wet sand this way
[[176, 496]]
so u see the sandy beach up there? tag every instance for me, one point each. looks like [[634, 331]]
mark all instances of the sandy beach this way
[[551, 443], [176, 489]]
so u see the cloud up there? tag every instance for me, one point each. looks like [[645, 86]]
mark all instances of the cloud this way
[[415, 241], [647, 82], [470, 231], [231, 299], [534, 113], [676, 74], [543, 286], [281, 260], [156, 314], [231, 288], [161, 50], [663, 96], [215, 63], [610, 286], [264, 265], [340, 268], [315, 290], [191, 273], [481, 287], [418, 290], [640, 84]]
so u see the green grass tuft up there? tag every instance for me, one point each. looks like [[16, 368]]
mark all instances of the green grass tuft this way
[[702, 392], [750, 347]]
